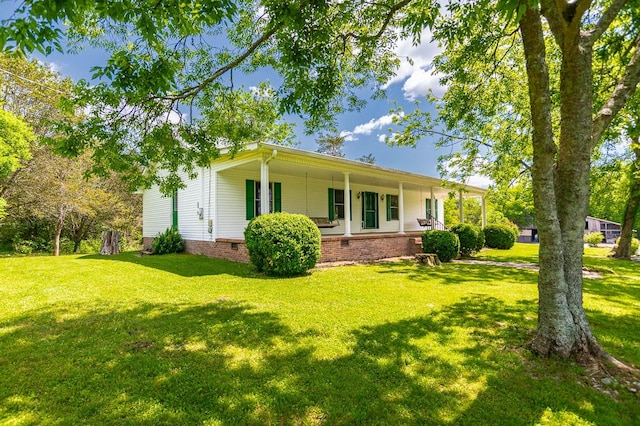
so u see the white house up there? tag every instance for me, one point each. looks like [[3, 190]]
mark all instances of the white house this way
[[364, 211]]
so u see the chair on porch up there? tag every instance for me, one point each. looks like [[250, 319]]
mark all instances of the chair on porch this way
[[424, 222]]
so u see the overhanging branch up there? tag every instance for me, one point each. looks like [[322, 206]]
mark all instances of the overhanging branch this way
[[623, 90]]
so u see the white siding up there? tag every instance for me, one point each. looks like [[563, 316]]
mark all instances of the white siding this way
[[156, 212], [190, 225], [231, 215]]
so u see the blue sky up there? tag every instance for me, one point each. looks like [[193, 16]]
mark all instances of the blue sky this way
[[363, 129]]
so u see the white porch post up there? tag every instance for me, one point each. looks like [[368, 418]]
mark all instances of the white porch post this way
[[264, 187], [400, 208], [432, 203], [213, 182], [461, 206], [484, 211], [347, 205]]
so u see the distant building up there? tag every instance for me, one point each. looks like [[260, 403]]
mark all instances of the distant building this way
[[610, 230]]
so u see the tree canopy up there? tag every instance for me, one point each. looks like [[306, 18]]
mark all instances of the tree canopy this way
[[170, 58], [15, 140]]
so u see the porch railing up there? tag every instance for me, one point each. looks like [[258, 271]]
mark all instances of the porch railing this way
[[431, 222]]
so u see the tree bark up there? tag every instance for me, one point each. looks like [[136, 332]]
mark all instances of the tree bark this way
[[561, 188], [623, 249], [58, 230], [110, 240]]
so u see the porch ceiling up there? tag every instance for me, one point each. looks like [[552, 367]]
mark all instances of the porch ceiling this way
[[375, 177]]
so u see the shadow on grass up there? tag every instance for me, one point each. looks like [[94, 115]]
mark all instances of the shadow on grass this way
[[227, 362], [460, 273], [185, 265]]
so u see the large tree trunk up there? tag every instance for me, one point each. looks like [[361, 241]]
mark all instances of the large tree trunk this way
[[623, 249], [561, 191]]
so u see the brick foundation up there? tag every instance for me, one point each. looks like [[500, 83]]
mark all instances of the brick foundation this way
[[359, 248]]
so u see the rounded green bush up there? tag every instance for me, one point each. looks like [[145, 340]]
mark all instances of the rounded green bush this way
[[479, 239], [593, 238], [468, 236], [443, 243], [169, 241], [283, 244], [499, 236]]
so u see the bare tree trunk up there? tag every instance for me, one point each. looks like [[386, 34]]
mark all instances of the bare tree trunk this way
[[561, 192], [623, 249], [110, 240], [58, 230]]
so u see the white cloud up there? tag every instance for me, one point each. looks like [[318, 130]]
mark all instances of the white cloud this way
[[369, 127], [416, 67], [420, 82], [479, 181]]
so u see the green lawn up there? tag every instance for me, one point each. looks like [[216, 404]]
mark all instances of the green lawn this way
[[182, 339]]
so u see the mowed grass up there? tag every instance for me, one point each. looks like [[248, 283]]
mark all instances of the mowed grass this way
[[183, 339]]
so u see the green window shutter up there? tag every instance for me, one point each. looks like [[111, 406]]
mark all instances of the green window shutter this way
[[250, 195], [331, 204], [436, 207], [174, 209], [277, 197], [388, 207], [350, 206]]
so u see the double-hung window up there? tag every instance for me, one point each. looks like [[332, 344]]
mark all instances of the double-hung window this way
[[393, 207]]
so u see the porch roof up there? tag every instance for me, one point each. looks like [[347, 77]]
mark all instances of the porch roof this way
[[297, 162]]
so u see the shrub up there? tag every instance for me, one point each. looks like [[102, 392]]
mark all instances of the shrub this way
[[468, 236], [23, 246], [479, 239], [443, 243], [635, 245], [283, 244], [169, 241], [90, 246], [593, 238], [499, 236]]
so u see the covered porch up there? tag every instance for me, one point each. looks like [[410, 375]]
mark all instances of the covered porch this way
[[343, 197], [364, 212]]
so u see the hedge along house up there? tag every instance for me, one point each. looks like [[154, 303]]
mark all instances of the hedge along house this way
[[364, 212]]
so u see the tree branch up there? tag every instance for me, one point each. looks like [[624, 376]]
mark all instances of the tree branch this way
[[623, 90], [194, 90], [606, 19], [551, 10]]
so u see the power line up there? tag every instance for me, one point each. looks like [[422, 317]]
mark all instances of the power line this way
[[33, 82]]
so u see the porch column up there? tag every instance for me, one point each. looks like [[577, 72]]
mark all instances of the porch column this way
[[347, 205], [212, 222], [484, 211], [432, 203], [461, 206], [400, 208], [264, 187]]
